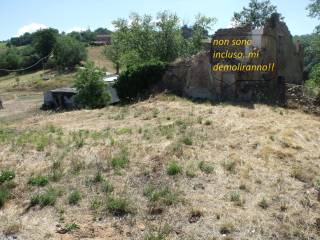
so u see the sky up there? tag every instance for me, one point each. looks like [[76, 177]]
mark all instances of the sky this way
[[19, 16]]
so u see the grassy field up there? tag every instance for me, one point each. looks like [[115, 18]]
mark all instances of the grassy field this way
[[165, 168], [35, 81]]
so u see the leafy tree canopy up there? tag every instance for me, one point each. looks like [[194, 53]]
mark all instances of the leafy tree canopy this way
[[91, 87], [142, 39], [256, 14]]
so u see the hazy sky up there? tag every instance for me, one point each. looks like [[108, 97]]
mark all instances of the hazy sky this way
[[19, 16]]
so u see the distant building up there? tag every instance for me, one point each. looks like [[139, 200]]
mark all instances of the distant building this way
[[102, 40]]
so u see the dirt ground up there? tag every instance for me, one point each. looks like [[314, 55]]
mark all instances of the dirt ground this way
[[243, 172]]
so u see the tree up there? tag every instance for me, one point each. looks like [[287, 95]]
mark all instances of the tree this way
[[102, 31], [310, 44], [314, 81], [68, 52], [169, 36], [91, 87], [45, 40], [12, 59], [134, 42], [256, 14], [142, 39], [314, 11], [25, 39], [200, 30]]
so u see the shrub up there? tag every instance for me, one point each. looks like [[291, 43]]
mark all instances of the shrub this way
[[119, 206], [72, 227], [174, 168], [187, 140], [47, 198], [74, 197], [120, 160], [98, 178], [107, 187], [6, 175], [136, 80], [205, 167], [236, 198], [91, 87], [160, 194], [314, 81], [40, 181]]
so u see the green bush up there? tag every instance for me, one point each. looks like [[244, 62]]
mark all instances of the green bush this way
[[40, 181], [136, 80], [107, 187], [205, 167], [72, 227], [45, 199], [119, 206], [6, 175], [174, 168], [160, 194], [121, 160], [74, 197], [314, 81], [91, 87]]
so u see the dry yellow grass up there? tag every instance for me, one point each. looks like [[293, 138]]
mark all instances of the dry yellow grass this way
[[34, 81], [265, 161], [95, 54]]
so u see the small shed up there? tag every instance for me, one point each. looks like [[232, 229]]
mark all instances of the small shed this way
[[63, 98], [59, 98]]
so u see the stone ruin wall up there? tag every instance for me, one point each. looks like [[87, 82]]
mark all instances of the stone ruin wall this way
[[193, 77]]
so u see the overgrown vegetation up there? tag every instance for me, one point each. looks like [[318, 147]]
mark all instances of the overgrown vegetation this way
[[74, 197], [137, 79], [163, 195], [174, 168], [256, 14], [6, 184], [119, 206], [206, 167], [91, 87], [40, 181], [139, 40], [46, 198], [33, 51], [68, 52]]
